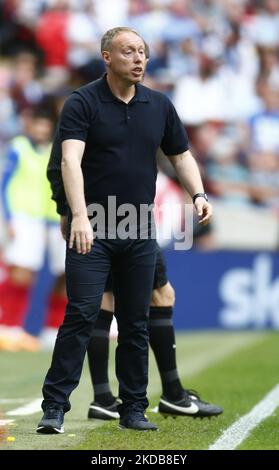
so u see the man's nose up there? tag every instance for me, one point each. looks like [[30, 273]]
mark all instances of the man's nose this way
[[137, 57]]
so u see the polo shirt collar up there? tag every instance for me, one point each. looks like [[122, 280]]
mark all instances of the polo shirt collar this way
[[106, 94]]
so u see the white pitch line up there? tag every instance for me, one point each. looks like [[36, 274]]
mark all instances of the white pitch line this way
[[240, 430], [4, 422], [29, 409], [5, 401]]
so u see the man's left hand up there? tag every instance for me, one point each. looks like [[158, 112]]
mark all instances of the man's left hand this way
[[204, 210]]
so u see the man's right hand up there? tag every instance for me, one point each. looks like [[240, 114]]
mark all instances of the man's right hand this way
[[81, 234]]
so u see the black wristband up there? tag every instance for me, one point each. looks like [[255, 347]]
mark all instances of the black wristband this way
[[204, 195]]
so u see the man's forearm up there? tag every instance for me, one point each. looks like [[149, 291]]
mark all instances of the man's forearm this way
[[74, 187], [81, 236], [73, 177], [188, 172]]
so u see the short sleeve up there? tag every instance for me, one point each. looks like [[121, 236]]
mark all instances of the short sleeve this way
[[75, 118], [175, 139]]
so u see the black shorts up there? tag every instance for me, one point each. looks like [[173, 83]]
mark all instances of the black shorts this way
[[160, 276]]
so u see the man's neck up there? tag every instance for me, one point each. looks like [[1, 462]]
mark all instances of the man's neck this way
[[121, 90]]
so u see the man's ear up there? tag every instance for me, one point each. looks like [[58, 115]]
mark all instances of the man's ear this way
[[106, 57]]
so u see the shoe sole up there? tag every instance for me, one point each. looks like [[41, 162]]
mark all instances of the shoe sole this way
[[173, 415], [49, 430], [124, 428]]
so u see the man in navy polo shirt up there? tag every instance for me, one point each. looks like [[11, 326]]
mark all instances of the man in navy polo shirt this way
[[175, 400], [110, 131]]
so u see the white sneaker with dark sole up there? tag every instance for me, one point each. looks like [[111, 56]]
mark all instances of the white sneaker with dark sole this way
[[105, 413]]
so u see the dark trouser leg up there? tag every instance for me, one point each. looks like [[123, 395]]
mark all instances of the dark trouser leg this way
[[133, 281], [85, 278], [98, 358]]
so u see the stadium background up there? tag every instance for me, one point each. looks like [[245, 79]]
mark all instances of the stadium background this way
[[218, 61]]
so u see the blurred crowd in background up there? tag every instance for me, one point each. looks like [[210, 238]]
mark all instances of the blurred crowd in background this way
[[218, 60]]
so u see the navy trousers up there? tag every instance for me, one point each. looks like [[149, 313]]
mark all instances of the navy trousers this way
[[132, 263]]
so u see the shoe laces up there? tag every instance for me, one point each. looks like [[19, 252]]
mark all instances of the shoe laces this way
[[138, 415], [54, 412], [194, 393]]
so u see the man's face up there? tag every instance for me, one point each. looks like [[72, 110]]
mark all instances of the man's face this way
[[127, 58]]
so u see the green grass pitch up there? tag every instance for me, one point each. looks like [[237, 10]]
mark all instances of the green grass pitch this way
[[234, 370]]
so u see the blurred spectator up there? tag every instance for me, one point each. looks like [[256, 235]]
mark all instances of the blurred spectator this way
[[17, 24], [180, 22], [83, 34], [264, 139], [183, 59], [219, 92], [264, 178], [26, 90], [203, 97], [208, 14], [32, 224], [7, 29], [150, 19], [240, 54], [110, 13], [264, 28], [227, 176], [52, 38], [264, 126], [269, 65], [27, 12], [168, 210], [9, 124]]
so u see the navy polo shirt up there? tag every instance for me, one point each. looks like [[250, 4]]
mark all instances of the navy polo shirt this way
[[121, 140]]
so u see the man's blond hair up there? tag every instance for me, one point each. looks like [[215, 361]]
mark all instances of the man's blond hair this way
[[111, 33]]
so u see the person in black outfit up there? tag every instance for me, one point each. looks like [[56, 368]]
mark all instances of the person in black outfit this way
[[175, 399], [110, 131]]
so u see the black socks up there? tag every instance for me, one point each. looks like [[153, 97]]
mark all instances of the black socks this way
[[162, 342]]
